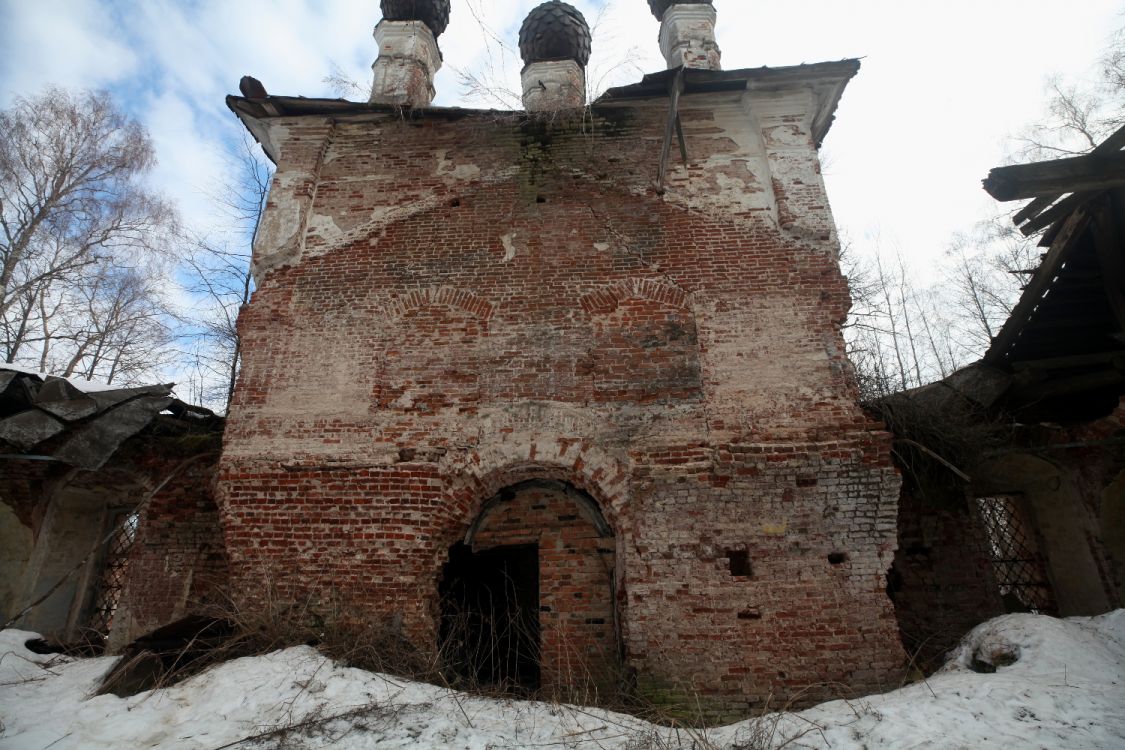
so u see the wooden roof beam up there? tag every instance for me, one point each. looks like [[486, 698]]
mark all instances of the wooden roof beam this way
[[1107, 241], [1056, 212], [1094, 171], [1037, 286]]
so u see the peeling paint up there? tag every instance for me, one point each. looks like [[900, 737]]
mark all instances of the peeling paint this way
[[508, 241]]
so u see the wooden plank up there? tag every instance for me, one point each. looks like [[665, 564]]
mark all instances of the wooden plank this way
[[680, 137], [675, 88], [1076, 174], [1115, 142], [1115, 358], [1054, 322], [1034, 208], [1071, 385], [1037, 287], [1049, 236], [1056, 212]]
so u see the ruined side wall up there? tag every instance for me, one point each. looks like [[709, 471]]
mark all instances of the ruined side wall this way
[[942, 583], [177, 564], [61, 518], [16, 546], [1068, 483], [447, 308]]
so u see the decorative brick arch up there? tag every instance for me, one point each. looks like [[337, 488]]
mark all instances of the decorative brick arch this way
[[606, 299], [644, 344], [570, 460], [420, 323], [462, 299]]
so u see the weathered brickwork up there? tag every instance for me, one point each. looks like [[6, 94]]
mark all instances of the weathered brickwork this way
[[177, 564], [453, 303]]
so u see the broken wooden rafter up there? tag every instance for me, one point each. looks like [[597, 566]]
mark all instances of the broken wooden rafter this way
[[1034, 208], [1091, 172], [1113, 143], [1055, 213], [1038, 286]]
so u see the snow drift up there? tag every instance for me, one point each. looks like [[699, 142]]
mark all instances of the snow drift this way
[[1016, 681]]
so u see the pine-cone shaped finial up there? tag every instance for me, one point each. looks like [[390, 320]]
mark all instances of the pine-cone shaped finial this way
[[555, 31], [433, 13]]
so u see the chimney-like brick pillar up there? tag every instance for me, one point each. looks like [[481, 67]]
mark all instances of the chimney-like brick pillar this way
[[553, 85], [687, 37], [408, 60]]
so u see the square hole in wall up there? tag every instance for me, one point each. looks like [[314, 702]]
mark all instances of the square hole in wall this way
[[739, 562]]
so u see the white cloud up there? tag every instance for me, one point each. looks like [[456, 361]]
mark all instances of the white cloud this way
[[67, 42], [190, 164]]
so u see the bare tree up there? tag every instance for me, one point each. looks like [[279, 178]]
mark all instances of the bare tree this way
[[1079, 114], [76, 222], [216, 275]]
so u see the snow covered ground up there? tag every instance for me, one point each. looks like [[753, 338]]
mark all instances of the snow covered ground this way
[[1065, 689]]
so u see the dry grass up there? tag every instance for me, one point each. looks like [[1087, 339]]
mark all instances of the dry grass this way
[[274, 621]]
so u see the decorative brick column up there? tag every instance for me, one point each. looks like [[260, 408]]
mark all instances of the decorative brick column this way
[[687, 37], [408, 60], [554, 85]]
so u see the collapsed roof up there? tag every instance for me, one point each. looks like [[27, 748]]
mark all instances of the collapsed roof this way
[[1066, 336], [47, 418]]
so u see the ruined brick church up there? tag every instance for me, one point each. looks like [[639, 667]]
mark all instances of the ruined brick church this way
[[588, 354], [558, 395]]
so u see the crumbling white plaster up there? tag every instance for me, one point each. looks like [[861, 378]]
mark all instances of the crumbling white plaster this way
[[446, 166], [508, 241], [733, 183], [408, 60], [687, 37], [553, 85], [324, 227], [278, 240], [785, 119]]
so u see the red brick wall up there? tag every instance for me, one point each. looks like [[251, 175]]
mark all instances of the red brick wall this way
[[177, 563], [448, 308]]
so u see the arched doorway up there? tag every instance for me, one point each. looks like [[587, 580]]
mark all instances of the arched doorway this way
[[529, 594]]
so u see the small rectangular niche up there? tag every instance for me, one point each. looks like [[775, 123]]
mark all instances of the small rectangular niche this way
[[739, 563]]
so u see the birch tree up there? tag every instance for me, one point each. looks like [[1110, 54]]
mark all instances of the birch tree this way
[[81, 238]]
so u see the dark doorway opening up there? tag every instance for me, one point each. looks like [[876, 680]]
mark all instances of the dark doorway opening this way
[[490, 616]]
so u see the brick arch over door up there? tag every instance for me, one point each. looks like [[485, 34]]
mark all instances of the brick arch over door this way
[[567, 582], [523, 456]]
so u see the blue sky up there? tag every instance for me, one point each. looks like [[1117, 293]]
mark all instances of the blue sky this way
[[943, 85]]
